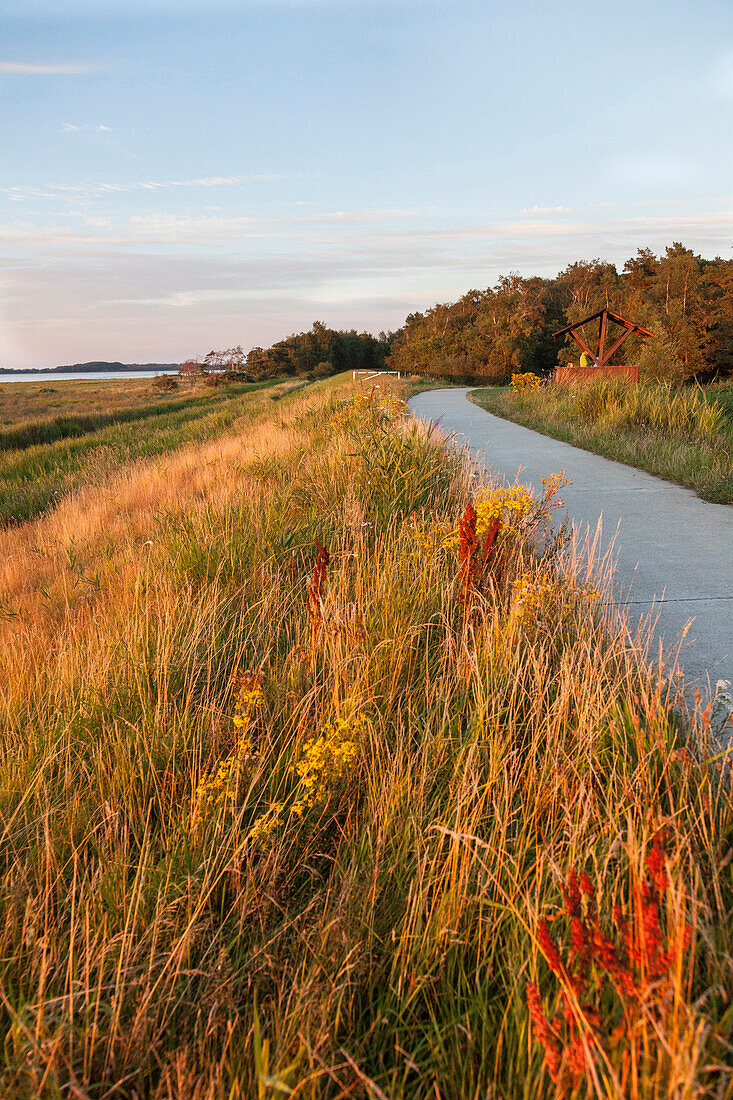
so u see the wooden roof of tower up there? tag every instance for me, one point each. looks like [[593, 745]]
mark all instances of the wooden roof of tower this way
[[601, 355]]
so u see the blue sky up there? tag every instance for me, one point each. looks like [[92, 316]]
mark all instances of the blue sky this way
[[182, 175]]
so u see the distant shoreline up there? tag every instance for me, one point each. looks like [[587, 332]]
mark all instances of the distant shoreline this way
[[98, 368]]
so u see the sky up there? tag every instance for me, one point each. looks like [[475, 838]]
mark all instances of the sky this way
[[186, 174]]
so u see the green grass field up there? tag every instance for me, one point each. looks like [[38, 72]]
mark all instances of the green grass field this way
[[52, 443], [318, 783], [30, 405], [683, 435]]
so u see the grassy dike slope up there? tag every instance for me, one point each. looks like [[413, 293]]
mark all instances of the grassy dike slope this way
[[684, 435], [269, 829]]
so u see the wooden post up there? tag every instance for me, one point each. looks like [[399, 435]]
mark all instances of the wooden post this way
[[601, 336]]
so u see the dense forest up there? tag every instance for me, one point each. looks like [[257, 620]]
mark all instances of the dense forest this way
[[685, 300], [319, 352]]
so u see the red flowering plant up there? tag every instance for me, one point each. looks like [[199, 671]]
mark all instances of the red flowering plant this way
[[475, 552], [621, 1001]]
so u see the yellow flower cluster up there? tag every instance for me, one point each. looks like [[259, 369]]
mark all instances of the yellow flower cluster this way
[[509, 504], [552, 483], [391, 406], [327, 761], [220, 788], [527, 381], [535, 598], [531, 595], [249, 700], [364, 406], [267, 822], [427, 536]]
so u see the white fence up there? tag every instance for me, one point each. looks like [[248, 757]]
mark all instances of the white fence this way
[[370, 374]]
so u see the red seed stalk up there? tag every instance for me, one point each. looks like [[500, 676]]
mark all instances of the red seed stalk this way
[[313, 601], [543, 1033], [635, 961], [474, 556], [549, 949]]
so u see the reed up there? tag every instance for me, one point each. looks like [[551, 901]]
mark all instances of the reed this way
[[684, 412]]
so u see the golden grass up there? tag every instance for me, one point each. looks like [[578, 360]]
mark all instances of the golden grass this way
[[379, 942], [683, 434], [113, 520], [23, 402]]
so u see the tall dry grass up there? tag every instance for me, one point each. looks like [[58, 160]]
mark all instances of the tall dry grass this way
[[686, 412], [379, 941], [683, 433]]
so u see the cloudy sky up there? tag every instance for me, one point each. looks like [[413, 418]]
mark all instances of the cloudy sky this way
[[182, 174]]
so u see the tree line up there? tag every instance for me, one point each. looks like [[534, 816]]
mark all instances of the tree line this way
[[487, 335], [318, 353]]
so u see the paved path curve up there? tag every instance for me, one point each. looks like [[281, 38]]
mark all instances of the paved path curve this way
[[674, 550]]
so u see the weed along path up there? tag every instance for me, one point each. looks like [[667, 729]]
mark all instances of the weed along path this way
[[674, 551]]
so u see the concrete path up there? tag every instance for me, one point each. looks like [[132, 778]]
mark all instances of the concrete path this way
[[674, 551]]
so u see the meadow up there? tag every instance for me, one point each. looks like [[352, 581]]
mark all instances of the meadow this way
[[681, 433], [53, 440], [328, 771]]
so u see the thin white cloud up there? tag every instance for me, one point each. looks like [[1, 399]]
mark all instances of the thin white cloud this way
[[70, 127], [203, 181], [536, 210], [216, 231], [18, 68], [359, 216], [75, 192], [212, 229]]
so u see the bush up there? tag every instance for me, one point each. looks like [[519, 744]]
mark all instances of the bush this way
[[526, 381], [659, 363], [225, 378], [165, 383]]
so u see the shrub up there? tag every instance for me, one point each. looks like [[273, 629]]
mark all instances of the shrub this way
[[470, 371], [165, 383], [658, 362]]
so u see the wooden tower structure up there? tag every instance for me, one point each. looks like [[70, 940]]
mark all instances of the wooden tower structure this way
[[600, 357]]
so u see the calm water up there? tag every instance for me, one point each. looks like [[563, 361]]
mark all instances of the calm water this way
[[93, 376]]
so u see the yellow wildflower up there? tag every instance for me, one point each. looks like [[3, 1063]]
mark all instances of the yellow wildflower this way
[[364, 407], [540, 599], [328, 759], [267, 822], [326, 763], [249, 698], [510, 504], [220, 788], [526, 381]]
